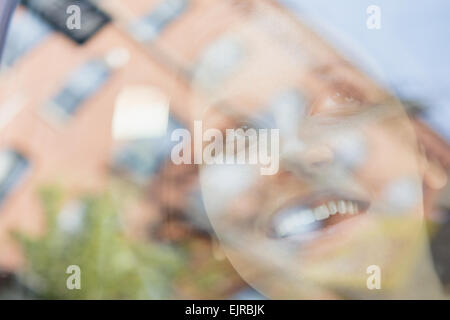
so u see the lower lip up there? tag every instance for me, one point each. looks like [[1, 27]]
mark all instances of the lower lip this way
[[324, 241], [321, 211]]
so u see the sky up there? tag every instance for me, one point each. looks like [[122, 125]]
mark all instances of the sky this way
[[411, 51]]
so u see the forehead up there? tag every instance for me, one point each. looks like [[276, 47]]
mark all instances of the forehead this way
[[274, 53]]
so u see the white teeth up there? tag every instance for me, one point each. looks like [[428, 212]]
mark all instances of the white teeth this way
[[304, 217], [342, 208], [350, 207], [332, 207], [298, 221], [321, 212], [293, 222]]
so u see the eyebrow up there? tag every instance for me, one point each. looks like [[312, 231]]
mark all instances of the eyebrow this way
[[225, 108]]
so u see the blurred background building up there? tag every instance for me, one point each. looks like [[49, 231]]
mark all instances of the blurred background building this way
[[65, 123]]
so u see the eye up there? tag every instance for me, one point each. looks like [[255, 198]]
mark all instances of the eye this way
[[243, 127], [245, 133], [341, 99]]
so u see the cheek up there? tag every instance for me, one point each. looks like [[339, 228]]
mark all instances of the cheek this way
[[391, 170], [350, 149], [221, 184]]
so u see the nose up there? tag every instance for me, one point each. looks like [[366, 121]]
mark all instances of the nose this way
[[319, 156], [296, 156]]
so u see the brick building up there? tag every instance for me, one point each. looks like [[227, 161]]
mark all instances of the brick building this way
[[66, 133]]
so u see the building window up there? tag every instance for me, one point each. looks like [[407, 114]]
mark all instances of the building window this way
[[13, 167], [26, 32], [218, 62], [148, 28], [81, 85], [138, 160], [54, 12]]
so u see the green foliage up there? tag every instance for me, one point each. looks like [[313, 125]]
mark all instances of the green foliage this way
[[112, 266]]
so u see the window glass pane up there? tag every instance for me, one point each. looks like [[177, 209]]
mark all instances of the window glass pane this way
[[26, 31], [150, 26], [55, 13], [14, 166], [140, 159], [218, 62], [83, 83]]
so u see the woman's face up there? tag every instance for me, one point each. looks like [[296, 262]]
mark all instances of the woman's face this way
[[347, 194]]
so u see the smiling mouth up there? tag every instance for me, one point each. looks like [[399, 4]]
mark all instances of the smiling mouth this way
[[305, 218]]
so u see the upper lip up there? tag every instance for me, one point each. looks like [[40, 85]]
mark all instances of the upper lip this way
[[308, 215]]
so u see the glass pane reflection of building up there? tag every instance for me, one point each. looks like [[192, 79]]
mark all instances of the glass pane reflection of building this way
[[113, 102]]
